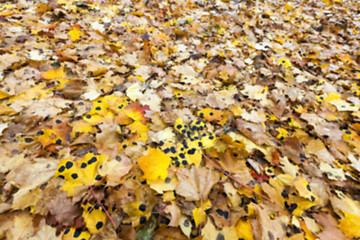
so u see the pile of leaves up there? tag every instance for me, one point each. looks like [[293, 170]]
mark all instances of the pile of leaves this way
[[178, 119]]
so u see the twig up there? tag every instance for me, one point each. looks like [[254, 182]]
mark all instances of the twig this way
[[26, 226], [201, 217], [161, 211], [237, 181], [174, 171], [102, 206]]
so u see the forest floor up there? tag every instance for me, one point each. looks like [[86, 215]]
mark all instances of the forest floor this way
[[186, 119]]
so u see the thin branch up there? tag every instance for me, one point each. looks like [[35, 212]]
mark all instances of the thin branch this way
[[102, 206], [175, 171], [162, 210], [26, 226]]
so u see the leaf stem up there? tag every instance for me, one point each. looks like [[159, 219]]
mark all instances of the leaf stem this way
[[102, 206], [177, 172], [162, 210], [26, 226]]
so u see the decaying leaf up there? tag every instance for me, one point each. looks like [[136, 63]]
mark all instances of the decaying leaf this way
[[195, 184]]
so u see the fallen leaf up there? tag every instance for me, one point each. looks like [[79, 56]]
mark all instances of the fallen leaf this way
[[52, 74], [195, 184], [154, 164], [114, 170]]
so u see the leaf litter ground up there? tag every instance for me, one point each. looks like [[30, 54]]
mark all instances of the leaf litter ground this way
[[180, 119]]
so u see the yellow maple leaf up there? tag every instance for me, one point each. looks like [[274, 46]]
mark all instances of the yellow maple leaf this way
[[140, 209], [140, 129], [80, 173], [6, 110], [244, 230], [75, 233], [284, 62], [52, 74], [154, 164], [82, 126], [199, 216], [75, 34], [297, 205], [199, 213], [350, 225], [94, 217], [136, 112], [304, 189], [288, 7], [4, 94], [213, 115], [93, 119], [48, 137]]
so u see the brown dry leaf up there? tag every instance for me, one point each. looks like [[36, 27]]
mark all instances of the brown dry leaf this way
[[264, 227], [222, 99], [329, 225], [234, 166], [6, 60], [185, 70], [6, 220], [343, 203], [317, 147], [152, 99], [29, 176], [165, 233], [195, 183], [127, 232], [143, 71], [32, 173], [293, 149], [21, 226], [107, 233], [45, 108], [322, 127], [94, 68], [16, 161], [175, 214], [108, 137], [61, 208], [220, 206], [44, 231], [255, 132], [115, 169]]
